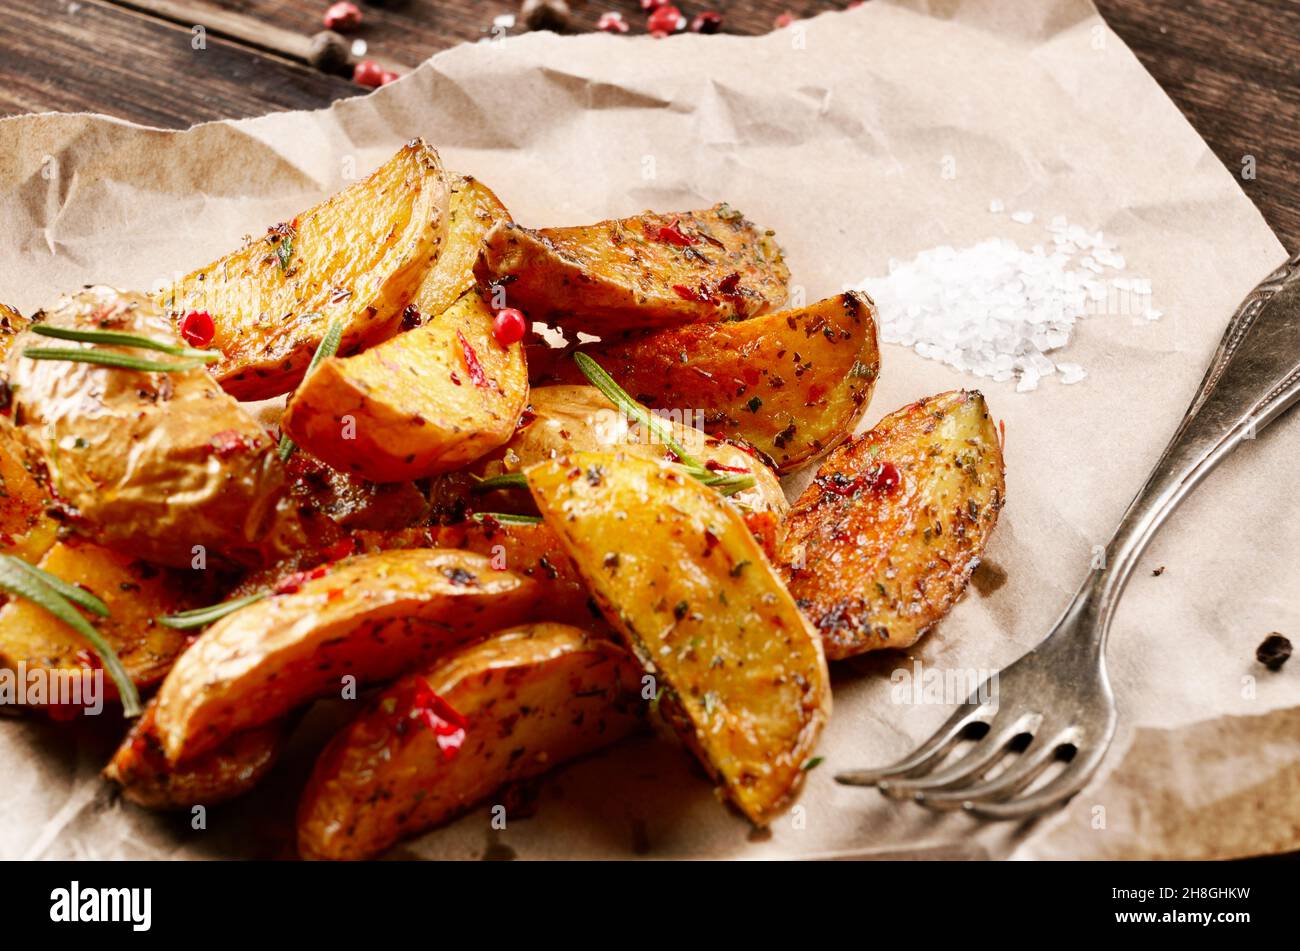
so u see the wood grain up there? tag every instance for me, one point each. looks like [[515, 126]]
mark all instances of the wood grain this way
[[1232, 66]]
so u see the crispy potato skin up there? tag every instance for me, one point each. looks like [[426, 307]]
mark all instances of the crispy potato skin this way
[[359, 256], [428, 401], [232, 769], [792, 384], [135, 593], [533, 698], [676, 571], [565, 419], [25, 528], [627, 274], [874, 568], [12, 323], [474, 211], [151, 464], [370, 617]]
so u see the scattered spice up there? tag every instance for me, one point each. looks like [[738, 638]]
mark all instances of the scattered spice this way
[[329, 53], [612, 22], [447, 724], [1158, 571], [509, 326], [342, 16], [1274, 651], [197, 328], [550, 15], [706, 22], [672, 233], [883, 478], [783, 20], [665, 20], [471, 362], [368, 73]]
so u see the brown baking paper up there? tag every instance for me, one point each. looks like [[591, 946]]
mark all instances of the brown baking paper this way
[[859, 137]]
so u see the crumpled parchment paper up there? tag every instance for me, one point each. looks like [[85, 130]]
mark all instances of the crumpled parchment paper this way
[[858, 136]]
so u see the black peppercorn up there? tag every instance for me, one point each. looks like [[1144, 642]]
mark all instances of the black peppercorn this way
[[550, 15], [1274, 651], [329, 52]]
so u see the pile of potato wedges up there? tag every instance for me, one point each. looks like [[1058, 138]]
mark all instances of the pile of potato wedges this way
[[318, 467]]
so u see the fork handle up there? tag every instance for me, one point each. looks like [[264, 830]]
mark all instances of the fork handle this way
[[1253, 378]]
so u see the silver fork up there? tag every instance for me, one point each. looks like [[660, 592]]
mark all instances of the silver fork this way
[[1055, 703]]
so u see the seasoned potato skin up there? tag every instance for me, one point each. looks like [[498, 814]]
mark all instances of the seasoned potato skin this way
[[873, 567], [428, 401], [135, 594], [12, 323], [369, 616], [232, 769], [676, 571], [564, 419], [792, 383], [626, 275], [151, 464], [359, 256], [474, 210], [26, 529], [532, 698]]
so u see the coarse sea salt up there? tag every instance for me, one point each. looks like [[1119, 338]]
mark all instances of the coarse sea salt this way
[[996, 310]]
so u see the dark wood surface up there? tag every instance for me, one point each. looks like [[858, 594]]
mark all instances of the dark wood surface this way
[[1232, 66]]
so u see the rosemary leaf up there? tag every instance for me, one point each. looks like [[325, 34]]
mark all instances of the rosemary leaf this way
[[121, 339], [77, 596], [509, 480], [602, 381], [202, 617], [329, 346], [507, 519], [107, 358]]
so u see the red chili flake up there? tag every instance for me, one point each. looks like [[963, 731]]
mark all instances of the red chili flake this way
[[815, 392], [729, 286], [714, 466], [333, 594], [368, 73], [706, 22], [612, 22], [228, 442], [525, 419], [88, 659], [197, 328], [342, 16], [471, 362], [1002, 435], [509, 326], [292, 583], [447, 724], [672, 233], [884, 477], [691, 294]]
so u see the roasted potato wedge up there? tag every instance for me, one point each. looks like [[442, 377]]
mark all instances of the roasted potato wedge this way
[[638, 273], [12, 323], [883, 541], [565, 419], [370, 617], [232, 769], [358, 257], [675, 570], [26, 528], [135, 594], [438, 742], [350, 503], [428, 401], [473, 212], [792, 384], [162, 466]]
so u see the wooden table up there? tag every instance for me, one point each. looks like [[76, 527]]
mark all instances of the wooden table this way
[[1232, 66]]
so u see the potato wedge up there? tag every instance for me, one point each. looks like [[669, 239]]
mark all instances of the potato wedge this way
[[677, 573], [349, 502], [12, 323], [358, 257], [883, 541], [370, 617], [792, 384], [638, 273], [473, 212], [232, 769], [162, 466], [438, 742], [135, 594], [26, 528], [566, 419], [428, 401]]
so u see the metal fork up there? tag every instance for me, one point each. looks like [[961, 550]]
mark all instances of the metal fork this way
[[1055, 703]]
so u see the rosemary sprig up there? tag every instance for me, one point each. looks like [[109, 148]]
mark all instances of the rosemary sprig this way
[[23, 581], [505, 518], [78, 596], [107, 358], [121, 339], [202, 617], [507, 480], [329, 346]]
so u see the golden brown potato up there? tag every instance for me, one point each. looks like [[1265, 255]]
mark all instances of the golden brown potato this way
[[882, 542], [26, 529], [428, 401], [135, 594], [368, 617], [676, 571], [566, 419], [638, 273], [438, 742], [232, 769], [474, 210], [12, 323], [359, 256], [792, 384], [162, 466]]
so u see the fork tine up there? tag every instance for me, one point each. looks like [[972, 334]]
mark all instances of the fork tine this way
[[1072, 779], [1020, 774], [919, 759], [985, 754]]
